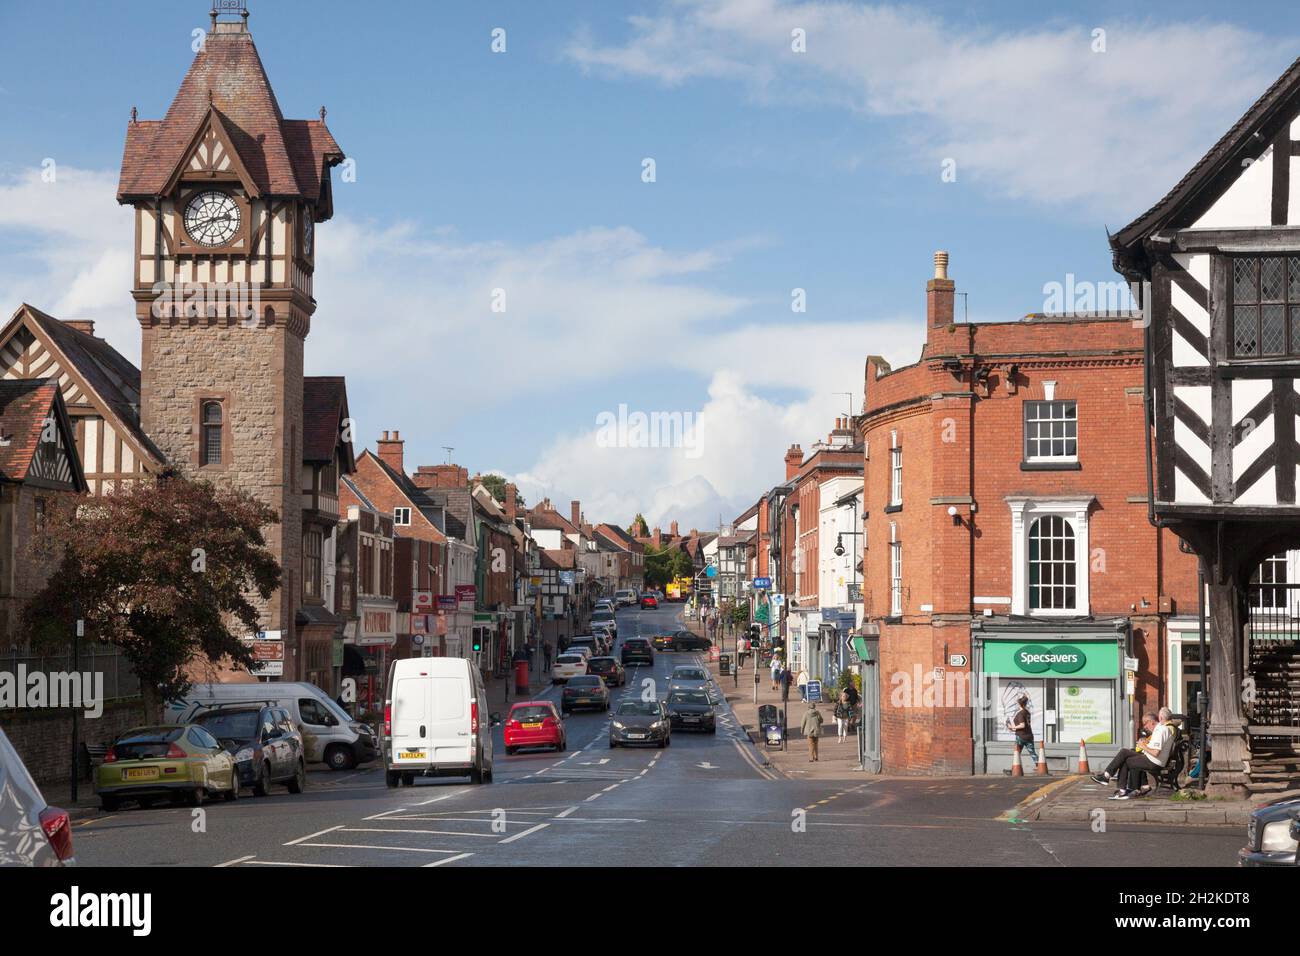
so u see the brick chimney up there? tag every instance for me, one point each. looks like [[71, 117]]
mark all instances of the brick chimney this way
[[793, 459], [512, 510], [673, 529], [657, 539], [390, 452], [575, 513], [81, 325], [939, 294], [440, 476]]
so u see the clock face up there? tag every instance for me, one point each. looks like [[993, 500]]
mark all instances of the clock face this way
[[308, 233], [212, 218]]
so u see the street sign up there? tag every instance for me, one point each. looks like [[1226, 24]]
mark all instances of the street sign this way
[[956, 660], [763, 584], [421, 602], [711, 572], [778, 600], [1130, 663], [813, 691]]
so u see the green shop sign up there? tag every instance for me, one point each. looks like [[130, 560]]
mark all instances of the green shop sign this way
[[1047, 659]]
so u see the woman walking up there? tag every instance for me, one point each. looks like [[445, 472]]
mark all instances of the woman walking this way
[[843, 714]]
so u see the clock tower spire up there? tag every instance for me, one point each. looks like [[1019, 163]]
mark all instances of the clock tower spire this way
[[227, 194]]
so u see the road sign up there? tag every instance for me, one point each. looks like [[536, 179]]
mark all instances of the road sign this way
[[763, 584], [956, 660], [813, 691], [778, 600], [711, 572]]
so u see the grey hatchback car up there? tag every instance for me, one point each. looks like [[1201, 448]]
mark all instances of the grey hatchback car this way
[[32, 833]]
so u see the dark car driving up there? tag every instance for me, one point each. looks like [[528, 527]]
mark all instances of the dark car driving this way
[[687, 641], [691, 710], [640, 722], [637, 650], [267, 747], [1271, 835], [610, 669], [584, 693]]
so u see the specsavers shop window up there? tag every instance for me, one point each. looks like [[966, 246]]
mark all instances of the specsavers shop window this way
[[1072, 687]]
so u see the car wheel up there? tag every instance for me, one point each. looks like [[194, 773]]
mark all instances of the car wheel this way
[[408, 780], [109, 803], [194, 798], [262, 785], [489, 775], [146, 803], [663, 743], [475, 775], [564, 712], [392, 779], [668, 741], [339, 757], [612, 745], [510, 751], [713, 729], [299, 781], [231, 795]]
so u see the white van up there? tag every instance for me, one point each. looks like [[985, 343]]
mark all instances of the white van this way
[[435, 721], [329, 735]]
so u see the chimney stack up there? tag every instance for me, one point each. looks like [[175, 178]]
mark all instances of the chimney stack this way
[[390, 452], [512, 510], [575, 513], [793, 459], [440, 476], [673, 528], [657, 538], [940, 294], [81, 325]]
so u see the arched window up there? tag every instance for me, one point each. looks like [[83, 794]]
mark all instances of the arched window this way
[[1052, 568], [211, 438]]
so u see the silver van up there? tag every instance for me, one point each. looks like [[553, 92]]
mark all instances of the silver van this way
[[329, 735]]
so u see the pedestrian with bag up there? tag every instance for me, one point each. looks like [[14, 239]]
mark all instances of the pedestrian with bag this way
[[812, 729], [843, 714]]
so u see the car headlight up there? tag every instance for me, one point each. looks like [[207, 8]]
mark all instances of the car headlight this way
[[1277, 837], [659, 725], [618, 726], [245, 754]]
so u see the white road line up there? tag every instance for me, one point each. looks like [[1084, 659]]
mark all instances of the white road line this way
[[445, 796], [561, 816], [594, 796], [311, 835], [450, 859], [386, 813], [457, 833], [236, 861], [331, 866], [613, 786], [524, 833], [366, 846]]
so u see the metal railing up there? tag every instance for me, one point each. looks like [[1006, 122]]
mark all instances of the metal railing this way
[[119, 680], [1273, 654]]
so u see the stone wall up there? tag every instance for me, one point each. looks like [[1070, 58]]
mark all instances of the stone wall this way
[[43, 738]]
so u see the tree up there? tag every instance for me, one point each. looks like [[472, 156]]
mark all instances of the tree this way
[[496, 484], [666, 563], [638, 528], [165, 569]]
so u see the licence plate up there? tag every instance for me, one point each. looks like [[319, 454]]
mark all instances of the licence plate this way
[[691, 720], [140, 773], [531, 726], [636, 736], [411, 754]]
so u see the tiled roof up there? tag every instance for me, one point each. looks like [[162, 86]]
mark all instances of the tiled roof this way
[[551, 520], [359, 493], [558, 558], [324, 406], [24, 406], [282, 157], [414, 494], [612, 532]]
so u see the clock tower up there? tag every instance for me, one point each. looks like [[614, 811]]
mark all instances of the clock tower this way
[[227, 193]]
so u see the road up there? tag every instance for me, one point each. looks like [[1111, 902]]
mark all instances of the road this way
[[705, 800]]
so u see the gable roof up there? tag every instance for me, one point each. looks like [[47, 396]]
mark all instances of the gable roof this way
[[413, 494], [1249, 137], [228, 81], [616, 535], [545, 518], [109, 381], [25, 407], [324, 408]]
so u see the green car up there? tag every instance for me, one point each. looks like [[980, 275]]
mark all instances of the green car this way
[[182, 762]]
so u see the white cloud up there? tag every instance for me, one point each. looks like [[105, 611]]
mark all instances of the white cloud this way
[[1032, 113]]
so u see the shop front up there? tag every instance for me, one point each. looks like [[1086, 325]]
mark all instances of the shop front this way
[[1072, 674], [375, 638]]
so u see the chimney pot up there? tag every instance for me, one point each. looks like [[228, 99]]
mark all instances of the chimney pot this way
[[940, 292], [941, 265]]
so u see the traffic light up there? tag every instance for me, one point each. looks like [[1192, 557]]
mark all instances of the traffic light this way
[[478, 641]]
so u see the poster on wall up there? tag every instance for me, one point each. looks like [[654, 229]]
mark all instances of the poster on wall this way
[[1005, 694], [1084, 710]]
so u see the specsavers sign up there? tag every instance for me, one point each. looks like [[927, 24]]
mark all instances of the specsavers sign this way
[[1051, 659]]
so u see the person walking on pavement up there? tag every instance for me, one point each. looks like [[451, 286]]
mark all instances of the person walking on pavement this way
[[843, 711], [546, 654], [812, 729], [1023, 727], [785, 684], [776, 670], [803, 683]]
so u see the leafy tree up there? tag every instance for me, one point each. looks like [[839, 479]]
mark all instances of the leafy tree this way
[[666, 563], [165, 569], [496, 484], [638, 528]]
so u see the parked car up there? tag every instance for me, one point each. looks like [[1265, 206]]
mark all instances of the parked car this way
[[625, 597], [605, 619], [568, 666], [584, 693], [640, 722], [435, 721], [609, 669], [587, 643], [267, 747], [179, 762], [32, 833], [328, 731], [1271, 834], [637, 650], [648, 601], [534, 723], [689, 641], [691, 710], [605, 604]]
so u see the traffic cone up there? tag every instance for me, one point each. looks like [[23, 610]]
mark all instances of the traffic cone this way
[[1016, 769], [1042, 758], [1083, 757]]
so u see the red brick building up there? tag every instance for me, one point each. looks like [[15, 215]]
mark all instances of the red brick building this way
[[1007, 544]]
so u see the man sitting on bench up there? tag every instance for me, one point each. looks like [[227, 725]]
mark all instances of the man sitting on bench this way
[[1150, 756]]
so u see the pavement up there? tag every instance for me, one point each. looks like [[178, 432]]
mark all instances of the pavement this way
[[1079, 798], [706, 800]]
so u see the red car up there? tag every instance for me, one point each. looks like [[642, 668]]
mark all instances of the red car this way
[[534, 723], [649, 601]]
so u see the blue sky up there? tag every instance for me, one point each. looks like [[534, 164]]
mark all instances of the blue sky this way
[[522, 171]]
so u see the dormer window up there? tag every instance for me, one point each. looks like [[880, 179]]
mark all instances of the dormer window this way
[[211, 437]]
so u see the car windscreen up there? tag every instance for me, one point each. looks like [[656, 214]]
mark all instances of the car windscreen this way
[[569, 659], [602, 615], [687, 697], [239, 725], [689, 673], [531, 714], [602, 663], [146, 743], [638, 708]]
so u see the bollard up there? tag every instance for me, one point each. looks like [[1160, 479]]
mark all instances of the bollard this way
[[1083, 757], [1016, 769], [1042, 758]]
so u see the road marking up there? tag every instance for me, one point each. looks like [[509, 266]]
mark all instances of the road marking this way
[[450, 859], [524, 833], [312, 835], [445, 796], [366, 846], [612, 786], [594, 796], [561, 816], [330, 866], [236, 861], [386, 813], [457, 833]]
